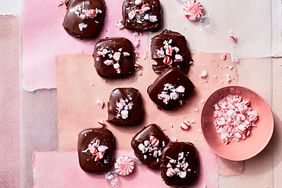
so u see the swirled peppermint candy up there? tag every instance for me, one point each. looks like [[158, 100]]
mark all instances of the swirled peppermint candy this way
[[194, 10], [124, 166]]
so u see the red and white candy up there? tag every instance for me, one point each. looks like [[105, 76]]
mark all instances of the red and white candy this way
[[145, 8], [185, 125], [100, 103], [167, 60], [154, 141], [138, 2], [194, 10], [124, 166], [232, 36], [99, 156], [170, 172], [101, 123], [178, 58], [234, 118], [168, 50], [138, 66]]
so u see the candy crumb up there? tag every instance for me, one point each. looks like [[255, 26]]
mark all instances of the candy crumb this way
[[100, 103], [204, 74], [101, 123]]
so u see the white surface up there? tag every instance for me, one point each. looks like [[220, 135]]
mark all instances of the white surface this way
[[10, 7], [276, 28], [250, 20]]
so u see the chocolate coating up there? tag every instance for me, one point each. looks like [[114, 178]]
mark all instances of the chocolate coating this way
[[147, 157], [180, 88], [144, 16], [96, 148], [125, 107], [84, 19], [114, 58], [185, 155], [179, 57]]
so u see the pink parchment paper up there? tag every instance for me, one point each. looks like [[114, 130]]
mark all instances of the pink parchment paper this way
[[79, 87], [44, 37], [55, 169]]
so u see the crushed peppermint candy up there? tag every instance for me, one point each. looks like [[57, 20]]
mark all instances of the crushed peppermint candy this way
[[123, 107], [224, 57], [171, 92], [119, 25], [234, 118], [101, 123], [169, 53], [185, 125], [100, 103], [194, 10], [140, 12], [124, 166], [112, 179], [112, 58], [138, 66], [82, 26], [204, 74], [84, 13], [96, 150], [152, 147], [178, 167], [232, 37]]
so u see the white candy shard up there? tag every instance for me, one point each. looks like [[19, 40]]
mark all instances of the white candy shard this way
[[82, 26], [204, 74]]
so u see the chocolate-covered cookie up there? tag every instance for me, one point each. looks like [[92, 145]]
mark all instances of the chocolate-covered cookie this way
[[170, 89], [84, 18], [148, 145], [125, 107], [142, 15], [170, 49], [96, 148], [114, 57], [179, 164]]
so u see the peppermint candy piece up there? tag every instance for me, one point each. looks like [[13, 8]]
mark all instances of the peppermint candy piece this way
[[168, 50], [185, 125], [204, 74], [145, 8], [131, 15], [182, 174], [167, 60], [82, 26], [99, 156], [100, 103], [194, 10], [124, 166], [170, 172], [154, 141], [108, 62], [178, 58], [138, 2], [137, 66], [102, 148], [92, 149], [232, 37], [101, 123]]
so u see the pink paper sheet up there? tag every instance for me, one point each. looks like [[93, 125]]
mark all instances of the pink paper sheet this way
[[44, 37], [54, 169], [79, 87], [9, 102]]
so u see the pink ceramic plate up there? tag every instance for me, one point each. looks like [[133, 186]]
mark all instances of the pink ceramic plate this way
[[260, 136]]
